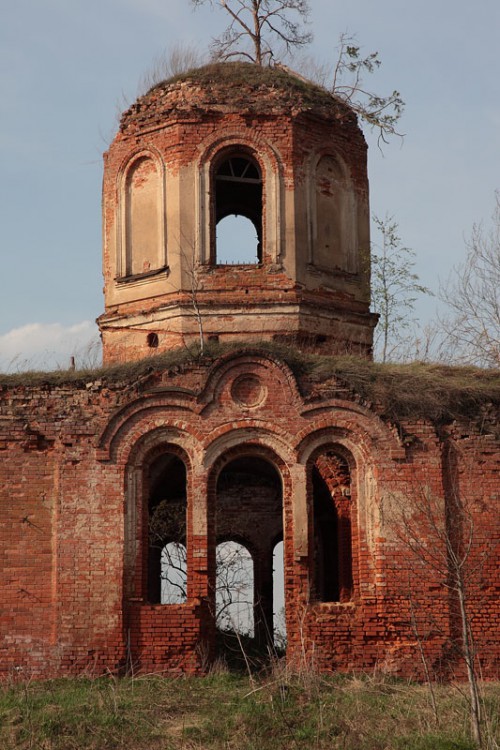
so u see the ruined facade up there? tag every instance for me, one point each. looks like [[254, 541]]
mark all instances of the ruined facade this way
[[101, 475]]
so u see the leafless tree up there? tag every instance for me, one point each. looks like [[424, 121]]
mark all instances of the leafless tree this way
[[441, 537], [255, 25], [234, 588], [345, 78], [234, 582], [263, 31], [395, 287], [472, 295], [196, 286]]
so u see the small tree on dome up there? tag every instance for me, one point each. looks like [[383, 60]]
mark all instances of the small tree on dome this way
[[256, 24], [263, 30]]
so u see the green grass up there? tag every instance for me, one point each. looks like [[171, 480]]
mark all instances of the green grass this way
[[228, 711]]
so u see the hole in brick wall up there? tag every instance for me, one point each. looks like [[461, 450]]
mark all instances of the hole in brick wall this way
[[173, 574], [234, 589], [279, 620], [237, 241], [153, 340]]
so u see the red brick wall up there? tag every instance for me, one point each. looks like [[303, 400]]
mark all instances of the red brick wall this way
[[72, 489]]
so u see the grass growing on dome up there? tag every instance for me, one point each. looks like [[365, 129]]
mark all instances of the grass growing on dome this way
[[255, 76]]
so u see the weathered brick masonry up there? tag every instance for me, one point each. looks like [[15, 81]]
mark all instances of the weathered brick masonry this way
[[76, 474], [99, 477], [235, 139]]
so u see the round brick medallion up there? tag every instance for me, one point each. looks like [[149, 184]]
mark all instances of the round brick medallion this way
[[248, 390]]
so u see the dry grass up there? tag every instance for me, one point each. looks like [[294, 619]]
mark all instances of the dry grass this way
[[236, 74], [226, 711], [433, 392]]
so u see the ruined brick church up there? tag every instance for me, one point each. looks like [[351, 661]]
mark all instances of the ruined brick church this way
[[250, 445]]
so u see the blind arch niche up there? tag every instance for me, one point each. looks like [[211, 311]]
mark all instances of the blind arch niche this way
[[142, 246]]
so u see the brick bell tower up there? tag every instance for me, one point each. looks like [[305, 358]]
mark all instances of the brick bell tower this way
[[236, 140]]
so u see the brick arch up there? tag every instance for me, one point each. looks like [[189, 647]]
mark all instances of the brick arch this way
[[362, 431], [272, 186], [248, 447], [263, 517], [216, 143], [143, 416], [221, 371], [132, 161], [261, 436]]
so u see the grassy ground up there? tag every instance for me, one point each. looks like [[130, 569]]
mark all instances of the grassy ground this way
[[228, 711]]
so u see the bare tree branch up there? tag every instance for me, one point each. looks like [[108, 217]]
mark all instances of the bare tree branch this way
[[261, 23], [395, 288], [345, 81], [472, 295]]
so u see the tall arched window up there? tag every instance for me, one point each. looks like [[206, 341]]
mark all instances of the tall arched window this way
[[249, 510], [234, 588], [330, 481], [166, 568], [238, 194]]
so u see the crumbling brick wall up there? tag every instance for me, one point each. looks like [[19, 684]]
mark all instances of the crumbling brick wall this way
[[74, 487]]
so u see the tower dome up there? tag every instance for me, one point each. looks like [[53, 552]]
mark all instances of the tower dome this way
[[235, 205]]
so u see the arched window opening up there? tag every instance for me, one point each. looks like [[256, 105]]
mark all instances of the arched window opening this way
[[166, 569], [238, 193], [234, 589], [331, 487], [249, 508], [279, 619], [173, 574]]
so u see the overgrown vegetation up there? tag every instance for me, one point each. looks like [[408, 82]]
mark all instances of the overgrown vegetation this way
[[417, 390], [228, 711], [232, 75], [395, 288], [268, 31]]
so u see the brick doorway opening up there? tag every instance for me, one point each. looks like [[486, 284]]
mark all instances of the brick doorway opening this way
[[248, 523]]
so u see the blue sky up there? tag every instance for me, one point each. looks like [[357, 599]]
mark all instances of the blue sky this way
[[68, 66]]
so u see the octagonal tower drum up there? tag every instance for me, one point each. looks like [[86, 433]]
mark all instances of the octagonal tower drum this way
[[235, 208]]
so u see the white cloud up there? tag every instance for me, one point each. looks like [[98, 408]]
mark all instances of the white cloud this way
[[49, 346]]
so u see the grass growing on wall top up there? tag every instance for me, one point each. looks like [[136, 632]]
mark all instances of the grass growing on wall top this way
[[434, 392]]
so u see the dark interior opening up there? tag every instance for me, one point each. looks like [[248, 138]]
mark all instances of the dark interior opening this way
[[332, 528], [166, 524], [238, 193], [249, 511]]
